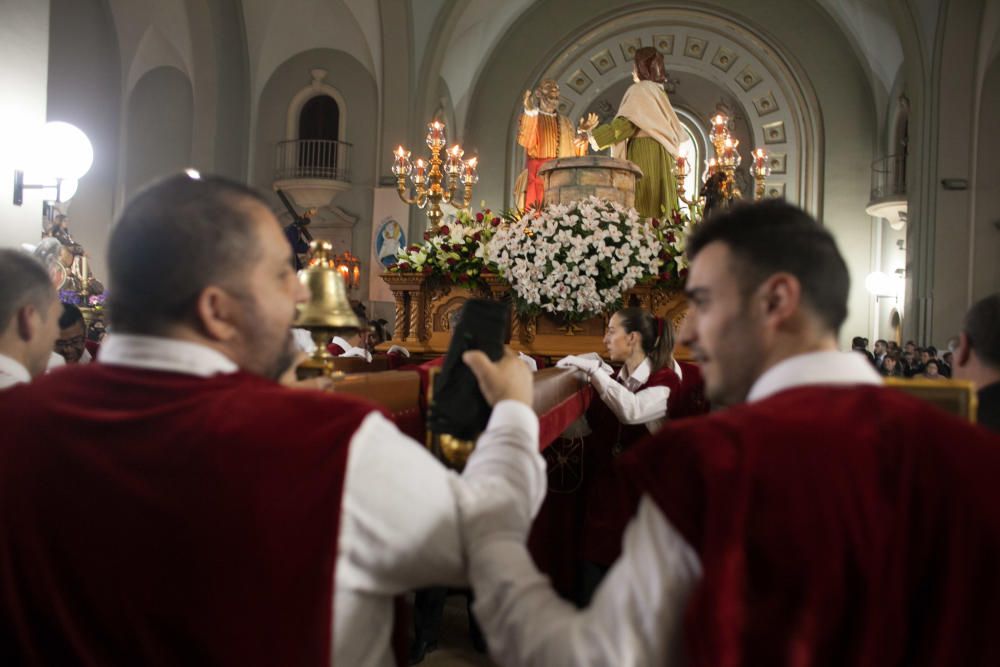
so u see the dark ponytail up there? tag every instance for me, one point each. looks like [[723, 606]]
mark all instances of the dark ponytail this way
[[655, 333]]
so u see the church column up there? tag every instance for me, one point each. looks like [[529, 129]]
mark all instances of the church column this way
[[24, 66], [940, 257]]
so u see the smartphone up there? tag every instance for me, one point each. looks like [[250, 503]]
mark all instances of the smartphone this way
[[458, 407]]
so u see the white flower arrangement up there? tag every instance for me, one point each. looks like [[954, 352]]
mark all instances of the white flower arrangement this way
[[578, 259]]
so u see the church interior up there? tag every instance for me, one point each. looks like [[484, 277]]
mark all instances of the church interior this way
[[875, 113], [873, 116]]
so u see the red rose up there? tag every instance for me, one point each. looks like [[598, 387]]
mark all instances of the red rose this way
[[677, 217], [670, 237], [443, 230], [477, 236], [479, 217], [496, 222], [451, 261], [403, 266], [683, 273], [655, 223], [665, 276], [446, 247], [413, 248], [427, 236], [428, 270], [664, 256]]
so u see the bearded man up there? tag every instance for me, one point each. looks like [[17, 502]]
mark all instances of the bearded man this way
[[819, 519], [545, 134], [173, 504]]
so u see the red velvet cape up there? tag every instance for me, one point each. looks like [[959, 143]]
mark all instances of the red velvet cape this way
[[610, 503], [835, 526], [154, 518]]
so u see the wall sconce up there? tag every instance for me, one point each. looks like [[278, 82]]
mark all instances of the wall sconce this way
[[61, 153], [880, 285]]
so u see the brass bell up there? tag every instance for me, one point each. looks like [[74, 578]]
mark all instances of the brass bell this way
[[328, 312]]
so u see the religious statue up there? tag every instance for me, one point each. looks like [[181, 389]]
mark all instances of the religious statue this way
[[65, 259], [545, 134], [646, 131]]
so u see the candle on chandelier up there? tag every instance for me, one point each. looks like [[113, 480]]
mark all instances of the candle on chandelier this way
[[402, 166], [435, 134], [712, 165], [681, 166], [470, 176], [420, 168], [454, 165], [719, 123]]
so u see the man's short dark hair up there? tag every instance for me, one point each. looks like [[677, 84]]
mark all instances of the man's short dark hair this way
[[858, 342], [982, 326], [772, 236], [23, 281], [883, 341], [175, 238], [70, 316], [931, 350]]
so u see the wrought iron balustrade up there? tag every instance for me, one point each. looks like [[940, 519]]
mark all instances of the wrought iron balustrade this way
[[888, 177], [313, 158]]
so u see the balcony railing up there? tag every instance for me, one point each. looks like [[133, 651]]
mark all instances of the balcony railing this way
[[313, 158], [889, 177]]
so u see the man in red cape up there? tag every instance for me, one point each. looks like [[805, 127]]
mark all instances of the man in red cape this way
[[173, 504], [820, 519]]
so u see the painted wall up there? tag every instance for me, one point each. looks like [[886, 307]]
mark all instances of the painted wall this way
[[24, 56]]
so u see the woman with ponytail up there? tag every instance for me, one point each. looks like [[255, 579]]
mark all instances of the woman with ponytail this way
[[650, 387]]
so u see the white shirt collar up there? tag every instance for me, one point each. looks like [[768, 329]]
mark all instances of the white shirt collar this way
[[350, 350], [12, 372], [641, 375], [164, 354], [813, 368]]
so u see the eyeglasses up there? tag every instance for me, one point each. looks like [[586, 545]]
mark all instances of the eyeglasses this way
[[75, 341]]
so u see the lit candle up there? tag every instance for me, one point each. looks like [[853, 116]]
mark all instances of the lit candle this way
[[470, 176], [418, 174], [402, 166], [454, 165]]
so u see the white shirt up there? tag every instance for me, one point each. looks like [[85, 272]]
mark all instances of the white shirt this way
[[631, 405], [636, 615], [12, 372], [400, 525], [351, 350]]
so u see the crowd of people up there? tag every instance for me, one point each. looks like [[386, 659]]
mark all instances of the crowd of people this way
[[910, 361], [172, 503]]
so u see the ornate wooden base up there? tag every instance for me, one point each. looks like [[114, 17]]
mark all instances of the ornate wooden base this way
[[425, 311]]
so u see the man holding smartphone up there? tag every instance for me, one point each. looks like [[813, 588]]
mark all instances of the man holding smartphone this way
[[174, 504]]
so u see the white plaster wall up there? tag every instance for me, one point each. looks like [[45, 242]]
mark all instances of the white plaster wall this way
[[159, 128], [24, 55]]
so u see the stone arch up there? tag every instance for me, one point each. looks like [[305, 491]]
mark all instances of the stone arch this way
[[315, 89], [780, 104]]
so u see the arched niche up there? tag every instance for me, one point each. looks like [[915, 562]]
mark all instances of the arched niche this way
[[762, 82], [159, 127], [318, 88]]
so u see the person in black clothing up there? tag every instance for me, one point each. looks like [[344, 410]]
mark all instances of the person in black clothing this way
[[977, 358]]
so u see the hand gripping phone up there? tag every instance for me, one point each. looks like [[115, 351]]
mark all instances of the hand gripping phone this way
[[458, 407]]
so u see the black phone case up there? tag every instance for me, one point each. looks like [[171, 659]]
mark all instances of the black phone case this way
[[459, 408]]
